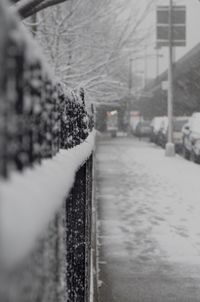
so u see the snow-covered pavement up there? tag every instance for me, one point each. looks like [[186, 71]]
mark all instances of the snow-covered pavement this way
[[149, 223]]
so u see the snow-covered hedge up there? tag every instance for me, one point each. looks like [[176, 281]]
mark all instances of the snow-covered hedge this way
[[33, 229], [38, 115], [46, 135], [29, 200], [75, 121]]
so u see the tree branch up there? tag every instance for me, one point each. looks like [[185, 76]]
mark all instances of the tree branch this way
[[27, 8]]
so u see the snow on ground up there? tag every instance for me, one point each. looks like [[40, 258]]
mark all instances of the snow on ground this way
[[29, 201], [148, 223], [171, 188]]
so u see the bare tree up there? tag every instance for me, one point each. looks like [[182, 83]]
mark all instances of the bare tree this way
[[89, 44], [27, 8]]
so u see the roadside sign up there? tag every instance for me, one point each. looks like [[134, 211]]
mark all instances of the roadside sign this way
[[178, 26], [178, 14]]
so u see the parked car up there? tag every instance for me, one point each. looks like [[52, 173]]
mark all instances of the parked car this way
[[112, 122], [178, 123], [135, 118], [143, 129], [156, 126], [191, 138]]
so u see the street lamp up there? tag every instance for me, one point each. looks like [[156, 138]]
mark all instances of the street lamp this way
[[170, 149], [130, 95], [158, 56]]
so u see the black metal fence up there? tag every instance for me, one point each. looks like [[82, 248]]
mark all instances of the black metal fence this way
[[78, 213], [38, 116]]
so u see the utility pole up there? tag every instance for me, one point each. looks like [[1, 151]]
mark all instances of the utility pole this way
[[170, 150], [145, 65], [157, 62], [130, 80], [130, 76]]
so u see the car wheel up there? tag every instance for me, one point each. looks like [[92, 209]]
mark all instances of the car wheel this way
[[113, 134], [197, 159], [164, 144], [178, 149], [193, 157], [186, 153]]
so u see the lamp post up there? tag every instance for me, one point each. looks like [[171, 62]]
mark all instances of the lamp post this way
[[158, 55], [170, 150], [130, 80]]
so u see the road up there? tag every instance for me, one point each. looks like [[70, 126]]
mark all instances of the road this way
[[148, 223]]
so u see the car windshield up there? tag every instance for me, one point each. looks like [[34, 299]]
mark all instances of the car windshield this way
[[178, 124]]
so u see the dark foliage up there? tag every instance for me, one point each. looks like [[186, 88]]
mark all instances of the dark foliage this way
[[38, 116], [74, 120]]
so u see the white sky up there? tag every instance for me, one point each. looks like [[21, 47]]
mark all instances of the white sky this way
[[193, 34]]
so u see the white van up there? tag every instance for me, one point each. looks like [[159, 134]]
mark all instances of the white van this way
[[156, 126], [191, 138]]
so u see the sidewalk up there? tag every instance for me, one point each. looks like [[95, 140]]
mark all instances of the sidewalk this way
[[149, 224]]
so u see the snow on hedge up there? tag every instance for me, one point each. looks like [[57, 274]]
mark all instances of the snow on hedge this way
[[29, 201]]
